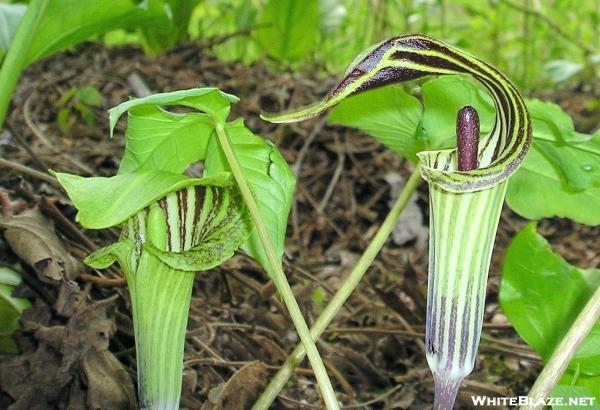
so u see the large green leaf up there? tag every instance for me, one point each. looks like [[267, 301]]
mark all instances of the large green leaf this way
[[292, 28], [542, 295], [10, 17], [539, 190], [270, 179], [388, 114], [160, 140], [69, 22], [10, 309], [157, 139], [105, 202], [563, 166], [209, 100]]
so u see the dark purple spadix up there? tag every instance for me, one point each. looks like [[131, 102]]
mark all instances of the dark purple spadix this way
[[467, 133]]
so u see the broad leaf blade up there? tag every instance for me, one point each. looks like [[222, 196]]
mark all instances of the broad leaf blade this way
[[388, 114], [69, 22], [270, 179], [105, 202], [174, 29], [160, 140], [533, 277], [209, 100], [562, 165], [573, 384], [292, 28]]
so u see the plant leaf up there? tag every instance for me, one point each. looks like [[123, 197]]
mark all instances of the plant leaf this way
[[10, 309], [160, 140], [574, 384], [105, 202], [537, 180], [209, 100], [10, 18], [533, 277], [388, 114], [269, 177], [174, 30], [292, 28], [68, 22], [563, 164]]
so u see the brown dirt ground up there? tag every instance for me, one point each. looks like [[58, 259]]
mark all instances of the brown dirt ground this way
[[235, 317]]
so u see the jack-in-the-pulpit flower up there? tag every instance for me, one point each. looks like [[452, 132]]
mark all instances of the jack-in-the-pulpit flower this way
[[466, 190]]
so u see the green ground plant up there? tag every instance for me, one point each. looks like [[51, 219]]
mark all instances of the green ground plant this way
[[174, 225]]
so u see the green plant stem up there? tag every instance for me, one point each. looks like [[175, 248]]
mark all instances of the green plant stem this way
[[338, 300], [564, 352], [279, 276], [17, 54]]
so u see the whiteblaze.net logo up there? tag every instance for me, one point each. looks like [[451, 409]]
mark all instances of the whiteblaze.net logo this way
[[526, 401]]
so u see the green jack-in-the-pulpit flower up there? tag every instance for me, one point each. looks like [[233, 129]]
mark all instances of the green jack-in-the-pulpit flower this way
[[174, 225], [466, 190]]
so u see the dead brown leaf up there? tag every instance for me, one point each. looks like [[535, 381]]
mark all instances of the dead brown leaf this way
[[241, 390], [65, 356], [32, 237]]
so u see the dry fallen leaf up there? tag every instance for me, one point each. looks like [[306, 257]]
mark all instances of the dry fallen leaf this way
[[240, 391], [31, 236], [62, 358]]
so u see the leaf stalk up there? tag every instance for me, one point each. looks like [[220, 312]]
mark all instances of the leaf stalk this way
[[349, 284], [279, 276]]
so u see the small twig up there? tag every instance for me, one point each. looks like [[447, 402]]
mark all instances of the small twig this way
[[51, 209], [40, 163], [346, 386], [376, 399], [29, 171], [138, 85], [304, 150], [224, 363], [215, 41], [336, 175], [32, 126], [97, 280]]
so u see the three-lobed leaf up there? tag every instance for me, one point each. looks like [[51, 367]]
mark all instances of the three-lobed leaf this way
[[541, 294]]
